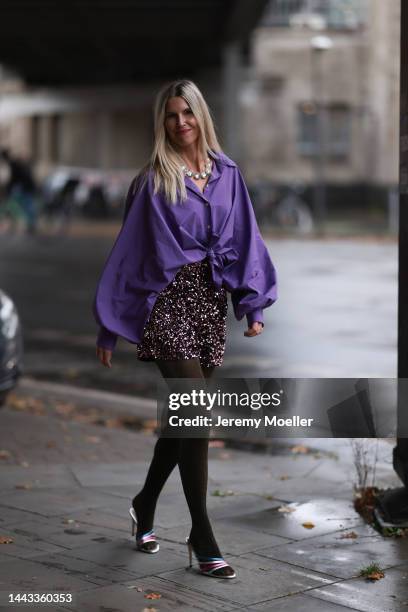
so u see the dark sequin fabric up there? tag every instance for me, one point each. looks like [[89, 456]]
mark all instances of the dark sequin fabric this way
[[188, 319]]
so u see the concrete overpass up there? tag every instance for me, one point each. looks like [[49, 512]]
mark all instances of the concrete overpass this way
[[115, 41]]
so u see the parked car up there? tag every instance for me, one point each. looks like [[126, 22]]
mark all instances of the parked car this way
[[11, 346]]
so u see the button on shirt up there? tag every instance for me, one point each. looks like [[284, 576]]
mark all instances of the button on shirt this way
[[157, 238]]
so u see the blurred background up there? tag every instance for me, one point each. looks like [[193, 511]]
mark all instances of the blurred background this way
[[305, 97]]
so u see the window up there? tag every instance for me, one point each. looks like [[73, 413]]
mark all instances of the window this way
[[337, 125], [335, 14]]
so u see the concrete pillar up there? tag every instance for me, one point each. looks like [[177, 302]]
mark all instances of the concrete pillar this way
[[104, 139]]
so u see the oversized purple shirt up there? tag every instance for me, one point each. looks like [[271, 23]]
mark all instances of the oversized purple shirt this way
[[158, 238]]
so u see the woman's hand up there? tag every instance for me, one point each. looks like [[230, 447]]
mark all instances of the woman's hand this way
[[104, 356], [255, 329]]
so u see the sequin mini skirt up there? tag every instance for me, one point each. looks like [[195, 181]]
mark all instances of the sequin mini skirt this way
[[188, 319]]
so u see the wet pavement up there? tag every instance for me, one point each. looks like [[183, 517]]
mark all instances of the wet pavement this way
[[283, 518], [336, 315]]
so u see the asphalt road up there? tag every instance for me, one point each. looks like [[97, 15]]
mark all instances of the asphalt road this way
[[336, 315]]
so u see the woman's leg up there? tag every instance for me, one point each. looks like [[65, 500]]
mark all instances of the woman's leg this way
[[193, 466], [166, 450]]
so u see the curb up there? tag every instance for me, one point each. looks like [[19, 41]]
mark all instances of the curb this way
[[116, 403]]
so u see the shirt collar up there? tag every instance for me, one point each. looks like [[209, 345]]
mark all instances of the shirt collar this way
[[219, 161]]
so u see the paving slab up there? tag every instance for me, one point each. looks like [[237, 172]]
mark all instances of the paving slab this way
[[92, 570], [130, 473], [37, 476], [293, 603], [102, 518], [26, 545], [122, 555], [94, 556], [325, 516], [232, 540], [63, 534], [257, 580], [390, 594], [127, 598], [342, 557], [28, 575], [56, 502]]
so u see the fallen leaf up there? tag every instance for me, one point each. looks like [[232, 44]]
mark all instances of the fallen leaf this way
[[149, 425], [113, 423], [68, 521], [6, 540], [375, 576], [64, 408], [153, 596], [284, 477], [351, 535], [51, 444], [286, 509], [308, 525], [5, 454], [27, 404], [24, 486], [300, 449]]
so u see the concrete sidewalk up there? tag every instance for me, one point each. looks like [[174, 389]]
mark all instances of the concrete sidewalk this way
[[66, 489]]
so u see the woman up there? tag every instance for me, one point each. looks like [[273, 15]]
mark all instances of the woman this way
[[189, 235]]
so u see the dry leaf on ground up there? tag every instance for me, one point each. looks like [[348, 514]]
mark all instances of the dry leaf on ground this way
[[308, 525], [300, 449], [64, 408], [351, 535], [153, 596], [375, 576], [5, 454], [6, 540]]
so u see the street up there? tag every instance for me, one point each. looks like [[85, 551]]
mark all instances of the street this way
[[336, 315]]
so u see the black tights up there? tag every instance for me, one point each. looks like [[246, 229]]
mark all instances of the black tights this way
[[191, 455]]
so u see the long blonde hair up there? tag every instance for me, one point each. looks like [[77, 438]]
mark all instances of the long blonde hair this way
[[165, 161]]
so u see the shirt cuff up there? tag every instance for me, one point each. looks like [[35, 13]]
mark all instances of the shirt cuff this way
[[255, 315], [106, 339]]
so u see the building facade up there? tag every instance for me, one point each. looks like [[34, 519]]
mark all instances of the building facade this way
[[318, 100]]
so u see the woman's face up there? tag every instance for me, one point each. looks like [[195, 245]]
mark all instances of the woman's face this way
[[181, 125]]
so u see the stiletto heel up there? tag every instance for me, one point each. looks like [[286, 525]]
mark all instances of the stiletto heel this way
[[147, 541], [190, 552], [209, 565]]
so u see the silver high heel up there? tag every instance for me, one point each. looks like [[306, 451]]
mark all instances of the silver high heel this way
[[143, 542], [208, 565]]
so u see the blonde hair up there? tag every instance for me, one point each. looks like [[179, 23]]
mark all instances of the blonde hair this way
[[165, 161]]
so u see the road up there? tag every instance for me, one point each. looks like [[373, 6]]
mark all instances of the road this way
[[336, 315]]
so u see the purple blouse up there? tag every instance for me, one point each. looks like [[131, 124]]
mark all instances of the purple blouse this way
[[158, 238]]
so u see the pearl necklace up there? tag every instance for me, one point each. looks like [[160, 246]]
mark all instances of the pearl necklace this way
[[198, 175]]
